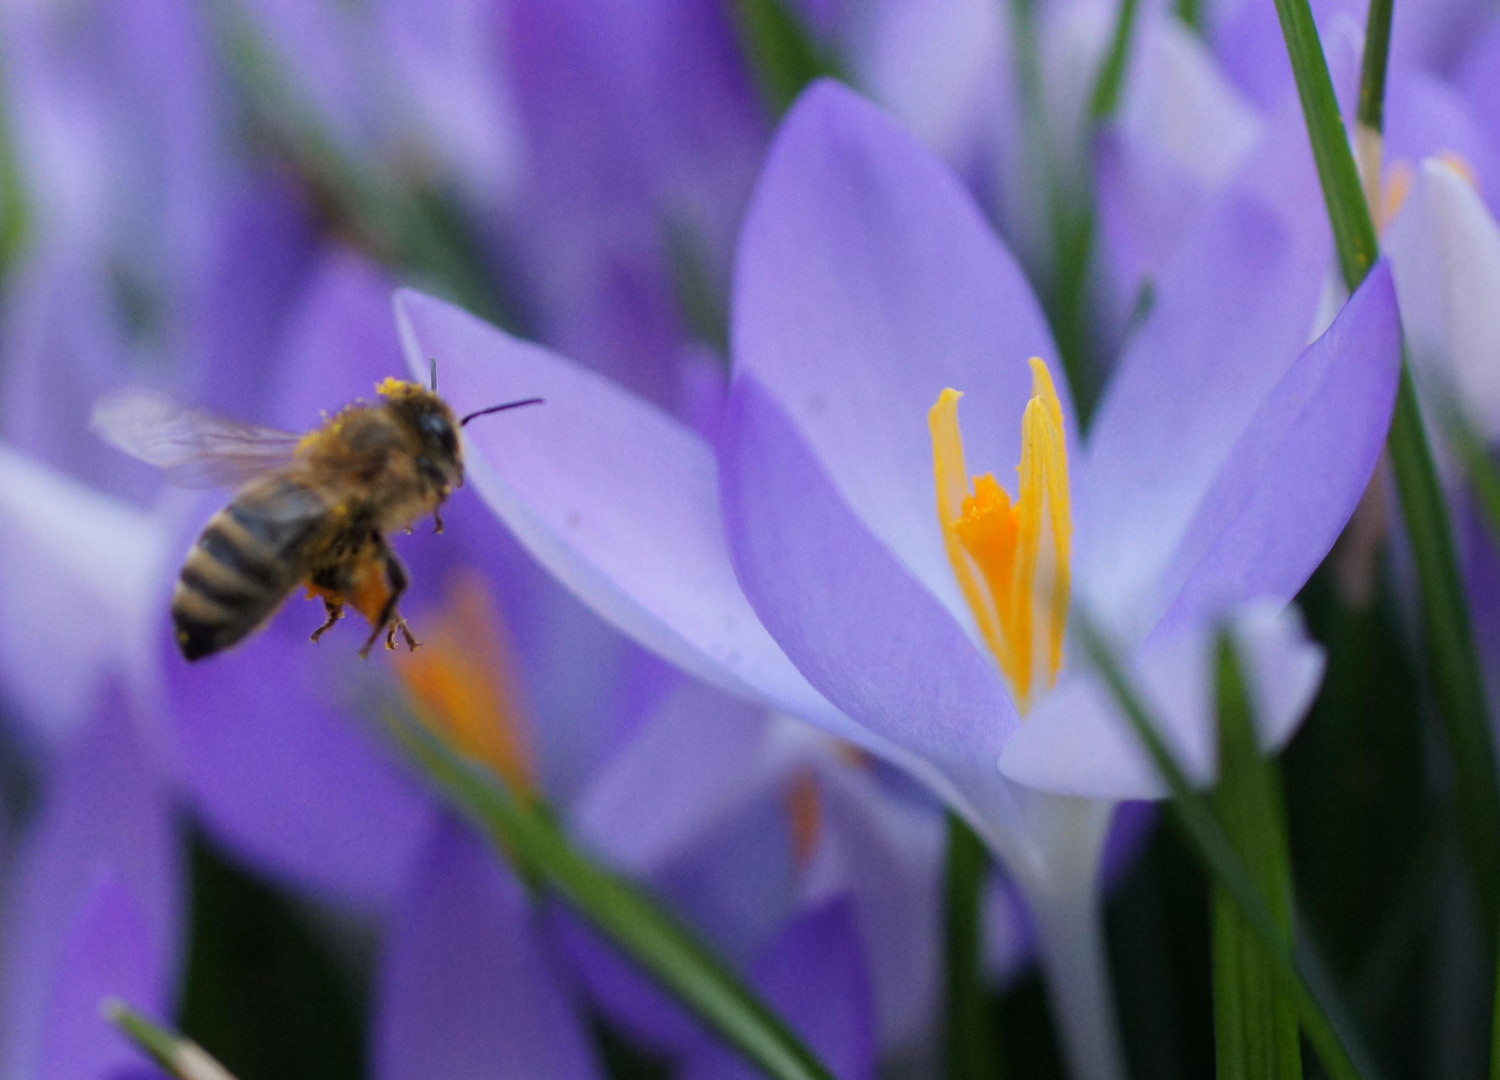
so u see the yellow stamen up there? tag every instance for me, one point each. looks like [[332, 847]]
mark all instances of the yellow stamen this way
[[463, 683], [1017, 586]]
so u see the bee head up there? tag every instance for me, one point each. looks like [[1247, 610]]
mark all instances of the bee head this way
[[435, 427]]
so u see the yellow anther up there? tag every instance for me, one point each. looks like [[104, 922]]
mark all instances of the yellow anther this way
[[1012, 560], [463, 684]]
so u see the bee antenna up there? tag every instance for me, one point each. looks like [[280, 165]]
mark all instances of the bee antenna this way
[[433, 361], [500, 408]]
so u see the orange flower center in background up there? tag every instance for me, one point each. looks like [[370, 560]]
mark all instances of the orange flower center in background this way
[[464, 686]]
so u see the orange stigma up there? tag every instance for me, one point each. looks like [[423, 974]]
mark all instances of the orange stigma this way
[[463, 684], [1012, 559]]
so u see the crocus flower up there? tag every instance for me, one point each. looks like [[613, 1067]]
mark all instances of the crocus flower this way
[[867, 282]]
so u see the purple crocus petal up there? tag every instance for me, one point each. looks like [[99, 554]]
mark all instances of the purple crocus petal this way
[[701, 755], [1182, 131], [105, 818], [740, 881], [1147, 202], [855, 621], [1076, 742], [444, 57], [614, 497], [1250, 45], [1293, 478], [884, 852], [619, 989], [1445, 251], [814, 975], [325, 54], [62, 349], [285, 770], [337, 342], [867, 282], [1007, 930], [1182, 101], [466, 987], [264, 250], [656, 95], [1479, 80], [109, 952], [52, 530], [941, 67], [1233, 312]]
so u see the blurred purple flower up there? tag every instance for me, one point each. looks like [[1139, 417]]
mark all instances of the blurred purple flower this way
[[468, 987], [94, 907]]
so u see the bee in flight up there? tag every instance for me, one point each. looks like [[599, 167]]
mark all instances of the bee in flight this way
[[311, 509]]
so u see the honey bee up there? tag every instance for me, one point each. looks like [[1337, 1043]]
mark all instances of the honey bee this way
[[312, 509]]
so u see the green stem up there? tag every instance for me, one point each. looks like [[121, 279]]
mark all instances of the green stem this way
[[13, 208], [1206, 836], [1255, 1024], [1453, 657], [1373, 68], [1192, 14], [970, 1044], [637, 925], [1110, 81]]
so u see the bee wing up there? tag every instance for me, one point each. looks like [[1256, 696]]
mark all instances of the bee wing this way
[[194, 448]]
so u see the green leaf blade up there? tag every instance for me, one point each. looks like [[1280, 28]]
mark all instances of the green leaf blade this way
[[1195, 817], [970, 1049], [1453, 657], [1255, 1023]]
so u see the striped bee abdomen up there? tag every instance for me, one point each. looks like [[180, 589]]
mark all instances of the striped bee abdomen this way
[[247, 559]]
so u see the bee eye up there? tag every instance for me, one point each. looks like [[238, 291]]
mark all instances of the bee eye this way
[[439, 431]]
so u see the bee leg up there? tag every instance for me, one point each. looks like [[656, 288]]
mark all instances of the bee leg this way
[[398, 623], [437, 521], [335, 613], [396, 581], [412, 644]]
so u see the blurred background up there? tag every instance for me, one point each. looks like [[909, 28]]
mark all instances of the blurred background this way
[[216, 199]]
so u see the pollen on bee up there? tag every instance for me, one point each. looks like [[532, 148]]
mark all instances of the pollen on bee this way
[[1012, 559], [394, 387]]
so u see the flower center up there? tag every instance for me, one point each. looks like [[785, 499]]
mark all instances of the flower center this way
[[463, 684], [1012, 559]]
